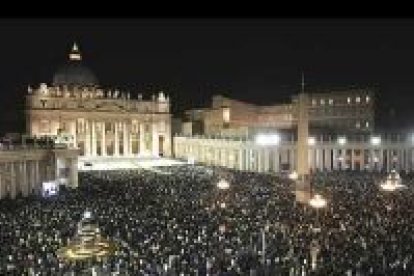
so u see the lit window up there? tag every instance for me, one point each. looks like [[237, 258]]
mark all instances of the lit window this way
[[358, 124], [322, 102], [358, 99], [367, 99], [367, 124], [349, 100], [330, 101], [313, 102]]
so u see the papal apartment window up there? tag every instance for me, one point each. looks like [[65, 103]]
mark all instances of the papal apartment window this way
[[330, 101], [348, 100], [367, 124], [322, 102], [358, 99], [367, 99]]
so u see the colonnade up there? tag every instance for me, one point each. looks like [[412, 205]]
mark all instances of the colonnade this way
[[324, 156]]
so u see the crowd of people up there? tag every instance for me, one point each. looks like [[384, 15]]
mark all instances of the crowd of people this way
[[176, 221]]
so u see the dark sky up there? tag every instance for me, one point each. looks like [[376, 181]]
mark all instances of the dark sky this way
[[258, 60]]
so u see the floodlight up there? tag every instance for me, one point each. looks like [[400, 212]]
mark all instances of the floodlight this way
[[311, 141], [375, 140], [267, 139], [317, 202], [293, 175], [342, 141], [223, 184]]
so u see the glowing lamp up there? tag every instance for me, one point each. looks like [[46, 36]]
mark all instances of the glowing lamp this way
[[311, 141], [223, 184], [342, 141], [317, 202], [375, 140], [267, 139]]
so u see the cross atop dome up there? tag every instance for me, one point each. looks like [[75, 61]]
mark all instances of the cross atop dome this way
[[75, 53]]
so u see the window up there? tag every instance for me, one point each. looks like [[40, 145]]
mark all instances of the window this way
[[358, 99], [367, 99], [367, 124], [313, 102], [358, 124], [43, 102], [322, 102], [348, 100], [162, 126], [330, 101]]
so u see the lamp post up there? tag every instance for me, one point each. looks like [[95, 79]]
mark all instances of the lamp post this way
[[317, 202]]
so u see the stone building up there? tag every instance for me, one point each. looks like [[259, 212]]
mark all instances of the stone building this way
[[23, 168], [349, 110], [101, 122]]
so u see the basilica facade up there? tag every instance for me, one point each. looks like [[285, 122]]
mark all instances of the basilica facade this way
[[99, 122]]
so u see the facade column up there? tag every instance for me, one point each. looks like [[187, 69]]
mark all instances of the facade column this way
[[23, 184], [142, 148], [37, 177], [73, 173], [155, 140], [352, 159], [103, 138], [125, 139], [290, 158], [389, 161], [259, 160], [2, 182], [88, 130], [93, 140], [335, 159], [241, 159], [267, 155], [328, 159], [276, 159], [116, 139], [73, 132]]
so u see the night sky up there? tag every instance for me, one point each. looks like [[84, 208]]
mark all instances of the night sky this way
[[258, 60]]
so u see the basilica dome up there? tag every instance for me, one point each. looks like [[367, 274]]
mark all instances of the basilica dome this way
[[74, 72]]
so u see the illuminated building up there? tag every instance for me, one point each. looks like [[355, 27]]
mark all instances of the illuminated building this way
[[100, 122]]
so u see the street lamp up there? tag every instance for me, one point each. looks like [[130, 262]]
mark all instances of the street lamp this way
[[317, 201], [392, 182], [223, 184], [293, 176]]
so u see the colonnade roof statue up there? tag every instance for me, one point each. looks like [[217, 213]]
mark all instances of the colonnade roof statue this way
[[74, 72]]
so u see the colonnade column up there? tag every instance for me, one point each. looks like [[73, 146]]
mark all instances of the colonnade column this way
[[276, 160], [23, 178], [13, 187], [2, 182], [241, 156]]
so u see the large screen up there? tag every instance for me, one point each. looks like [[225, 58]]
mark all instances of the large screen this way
[[50, 188]]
